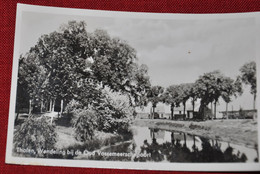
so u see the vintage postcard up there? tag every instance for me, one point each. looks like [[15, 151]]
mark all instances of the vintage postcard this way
[[130, 90]]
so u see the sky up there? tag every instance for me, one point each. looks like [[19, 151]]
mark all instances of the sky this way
[[175, 51]]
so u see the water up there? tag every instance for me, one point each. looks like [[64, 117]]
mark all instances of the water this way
[[180, 147], [164, 146]]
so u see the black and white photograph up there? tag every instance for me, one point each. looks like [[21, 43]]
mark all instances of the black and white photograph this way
[[134, 90]]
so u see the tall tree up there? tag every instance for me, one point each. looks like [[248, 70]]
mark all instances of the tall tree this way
[[171, 97], [210, 87], [72, 55], [248, 76], [140, 85], [193, 93], [31, 83], [204, 85], [155, 95], [184, 95], [115, 63], [231, 88]]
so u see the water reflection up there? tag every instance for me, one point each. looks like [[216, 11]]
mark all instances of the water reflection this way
[[165, 146], [187, 148]]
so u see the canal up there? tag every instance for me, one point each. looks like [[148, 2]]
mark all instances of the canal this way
[[157, 145]]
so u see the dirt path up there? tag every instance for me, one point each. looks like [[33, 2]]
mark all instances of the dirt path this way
[[242, 132], [65, 137]]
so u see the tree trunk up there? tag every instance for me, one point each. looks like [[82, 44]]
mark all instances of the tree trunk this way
[[254, 101], [215, 110], [30, 107], [153, 136], [212, 110], [172, 138], [153, 111], [193, 106], [184, 110], [185, 141], [53, 105], [61, 107], [227, 110], [50, 105], [41, 106], [201, 110], [172, 111], [194, 141]]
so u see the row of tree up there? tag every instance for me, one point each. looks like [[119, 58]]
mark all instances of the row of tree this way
[[209, 88], [73, 64]]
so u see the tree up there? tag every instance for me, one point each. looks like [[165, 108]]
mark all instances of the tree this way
[[31, 83], [115, 65], [171, 97], [114, 112], [232, 88], [85, 125], [155, 95], [35, 134], [22, 95], [193, 93], [184, 94], [141, 85], [72, 55], [248, 76], [74, 67], [210, 87], [63, 54], [204, 91]]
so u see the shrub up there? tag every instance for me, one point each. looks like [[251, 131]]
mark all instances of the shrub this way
[[34, 134], [85, 124], [73, 106], [114, 113]]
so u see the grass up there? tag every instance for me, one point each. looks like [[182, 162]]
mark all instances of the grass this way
[[66, 139]]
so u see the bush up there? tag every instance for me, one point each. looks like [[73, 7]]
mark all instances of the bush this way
[[73, 106], [34, 134], [85, 124], [114, 113]]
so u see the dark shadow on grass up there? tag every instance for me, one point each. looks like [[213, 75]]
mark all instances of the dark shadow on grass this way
[[64, 120]]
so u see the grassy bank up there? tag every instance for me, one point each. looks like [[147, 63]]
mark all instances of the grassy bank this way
[[242, 132], [66, 139]]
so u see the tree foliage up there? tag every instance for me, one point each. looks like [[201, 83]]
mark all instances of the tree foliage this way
[[232, 88], [248, 75], [64, 59], [179, 94], [34, 134], [171, 97], [184, 95], [114, 112], [155, 95], [32, 80], [211, 86], [85, 124]]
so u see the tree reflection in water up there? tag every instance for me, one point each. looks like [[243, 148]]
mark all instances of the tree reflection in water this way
[[174, 151]]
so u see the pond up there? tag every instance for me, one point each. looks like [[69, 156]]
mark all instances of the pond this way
[[167, 146]]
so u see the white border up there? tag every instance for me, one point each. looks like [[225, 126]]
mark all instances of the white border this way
[[118, 164]]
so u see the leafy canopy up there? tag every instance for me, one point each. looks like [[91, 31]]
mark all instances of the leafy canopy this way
[[248, 75]]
